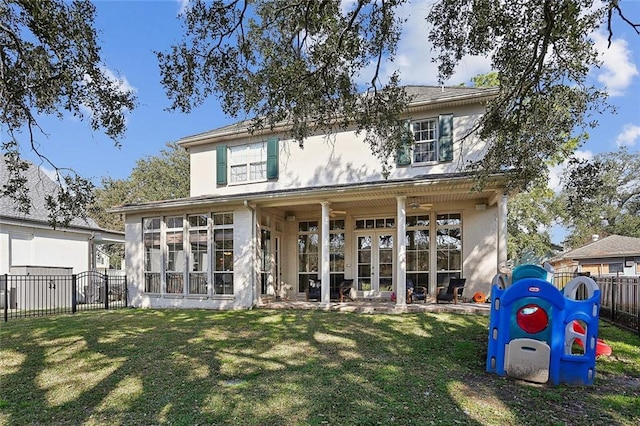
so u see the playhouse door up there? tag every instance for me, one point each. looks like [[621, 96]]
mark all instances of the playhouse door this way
[[527, 359]]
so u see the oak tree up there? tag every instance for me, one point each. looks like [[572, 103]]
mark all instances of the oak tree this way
[[50, 64], [602, 196]]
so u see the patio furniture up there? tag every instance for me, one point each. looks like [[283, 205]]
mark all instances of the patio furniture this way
[[347, 291], [451, 293], [343, 292], [314, 290], [416, 292]]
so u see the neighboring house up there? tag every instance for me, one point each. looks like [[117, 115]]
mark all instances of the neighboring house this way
[[265, 217], [29, 245], [612, 255]]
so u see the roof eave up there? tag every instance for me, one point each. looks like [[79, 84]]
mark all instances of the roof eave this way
[[303, 194], [464, 99], [39, 224]]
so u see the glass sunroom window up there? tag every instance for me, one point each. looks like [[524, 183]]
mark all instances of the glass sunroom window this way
[[199, 254], [223, 253], [175, 255], [152, 254]]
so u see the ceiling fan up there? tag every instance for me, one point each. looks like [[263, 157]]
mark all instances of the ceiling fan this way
[[334, 213], [414, 205]]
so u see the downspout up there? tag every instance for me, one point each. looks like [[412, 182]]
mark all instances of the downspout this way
[[254, 296], [91, 254]]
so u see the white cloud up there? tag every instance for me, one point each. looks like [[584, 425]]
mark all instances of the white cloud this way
[[184, 4], [556, 172], [123, 83], [347, 6], [629, 136], [415, 53], [618, 69]]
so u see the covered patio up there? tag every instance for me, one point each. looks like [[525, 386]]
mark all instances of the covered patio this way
[[380, 307]]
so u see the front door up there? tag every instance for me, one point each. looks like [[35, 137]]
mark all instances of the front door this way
[[375, 254]]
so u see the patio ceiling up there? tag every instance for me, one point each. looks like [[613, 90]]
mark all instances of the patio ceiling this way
[[374, 198], [375, 195]]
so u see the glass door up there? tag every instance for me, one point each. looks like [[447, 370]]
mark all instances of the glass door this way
[[375, 254]]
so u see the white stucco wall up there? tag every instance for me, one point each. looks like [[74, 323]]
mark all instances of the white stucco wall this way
[[341, 158], [31, 246], [480, 248]]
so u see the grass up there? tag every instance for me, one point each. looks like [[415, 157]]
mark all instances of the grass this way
[[288, 367]]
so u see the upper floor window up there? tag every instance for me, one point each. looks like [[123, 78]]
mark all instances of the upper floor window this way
[[432, 141], [247, 163], [255, 162], [426, 144]]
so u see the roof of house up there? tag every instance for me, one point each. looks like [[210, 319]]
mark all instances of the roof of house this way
[[421, 97], [611, 246], [39, 185]]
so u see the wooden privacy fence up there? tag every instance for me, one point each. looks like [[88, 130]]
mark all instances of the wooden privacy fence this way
[[619, 298], [39, 295], [620, 301]]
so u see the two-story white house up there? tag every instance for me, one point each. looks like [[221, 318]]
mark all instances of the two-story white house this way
[[265, 217]]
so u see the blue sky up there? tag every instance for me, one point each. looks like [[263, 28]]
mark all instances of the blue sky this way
[[130, 31]]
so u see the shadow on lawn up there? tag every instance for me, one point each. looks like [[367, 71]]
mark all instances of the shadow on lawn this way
[[282, 367]]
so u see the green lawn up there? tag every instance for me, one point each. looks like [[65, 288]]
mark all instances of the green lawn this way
[[288, 367]]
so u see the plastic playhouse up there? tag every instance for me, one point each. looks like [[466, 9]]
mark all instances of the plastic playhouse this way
[[540, 334]]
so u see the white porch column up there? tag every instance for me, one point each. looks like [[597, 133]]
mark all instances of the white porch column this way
[[401, 260], [324, 252], [502, 232]]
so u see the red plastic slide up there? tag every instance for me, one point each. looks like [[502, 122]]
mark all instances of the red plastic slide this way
[[601, 347]]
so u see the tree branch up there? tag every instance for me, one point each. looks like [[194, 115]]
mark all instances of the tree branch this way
[[614, 5]]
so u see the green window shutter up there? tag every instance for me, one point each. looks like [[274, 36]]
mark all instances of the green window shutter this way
[[445, 137], [221, 164], [403, 156], [272, 158]]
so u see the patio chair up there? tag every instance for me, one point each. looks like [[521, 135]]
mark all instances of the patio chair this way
[[416, 292], [451, 293], [314, 290], [347, 291]]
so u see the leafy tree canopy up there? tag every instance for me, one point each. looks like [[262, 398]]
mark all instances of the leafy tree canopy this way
[[50, 64], [161, 177], [530, 215], [602, 196], [308, 63]]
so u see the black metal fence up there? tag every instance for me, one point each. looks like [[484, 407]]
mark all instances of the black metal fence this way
[[619, 298], [39, 295]]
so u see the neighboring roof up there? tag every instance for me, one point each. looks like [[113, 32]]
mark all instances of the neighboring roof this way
[[611, 246], [40, 185], [422, 97]]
